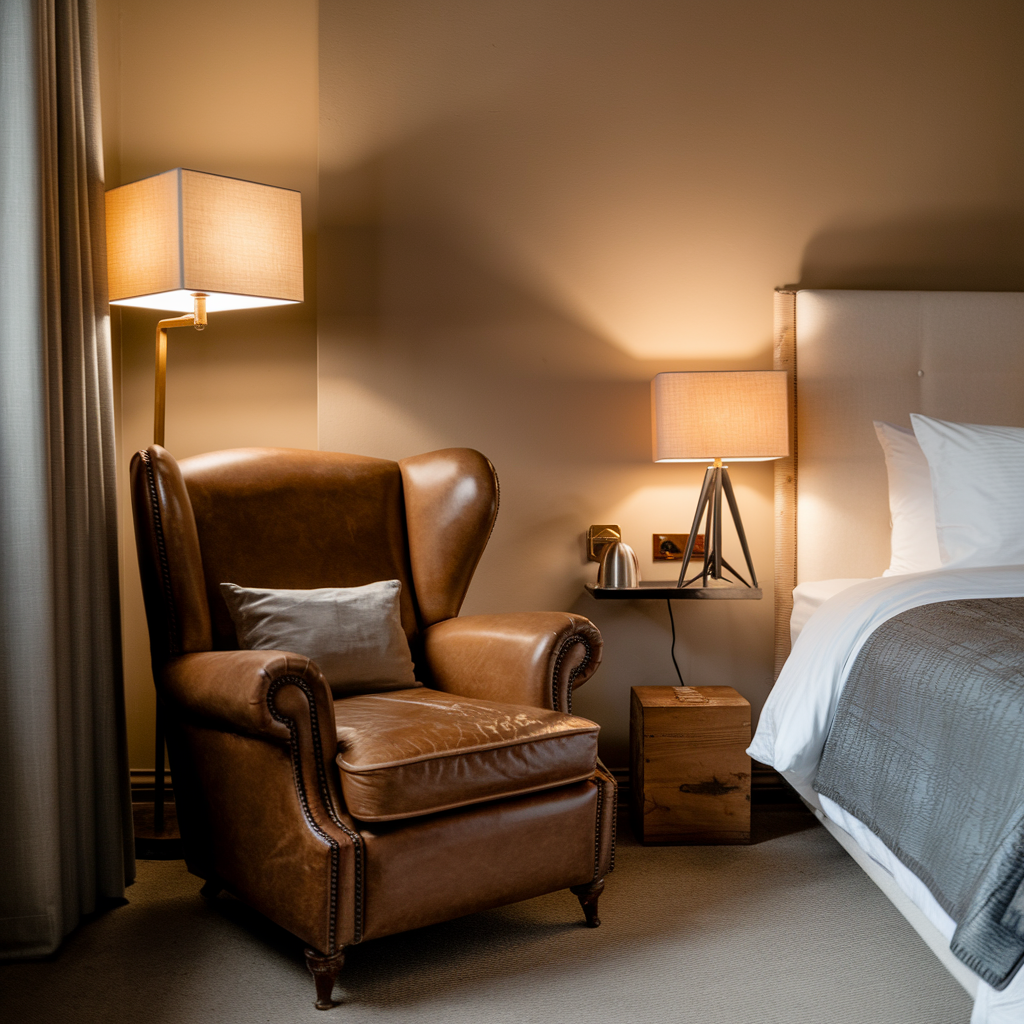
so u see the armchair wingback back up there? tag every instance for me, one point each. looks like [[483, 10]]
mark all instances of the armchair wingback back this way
[[293, 519]]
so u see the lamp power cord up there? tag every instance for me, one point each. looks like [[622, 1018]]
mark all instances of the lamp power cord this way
[[672, 621]]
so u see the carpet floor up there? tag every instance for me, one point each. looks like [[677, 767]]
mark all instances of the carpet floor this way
[[785, 931]]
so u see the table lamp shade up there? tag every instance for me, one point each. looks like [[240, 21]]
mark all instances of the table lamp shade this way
[[183, 232], [733, 415]]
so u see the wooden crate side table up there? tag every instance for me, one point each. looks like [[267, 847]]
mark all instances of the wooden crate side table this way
[[689, 770]]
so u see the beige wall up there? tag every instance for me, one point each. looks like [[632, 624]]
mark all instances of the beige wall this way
[[528, 209], [231, 88]]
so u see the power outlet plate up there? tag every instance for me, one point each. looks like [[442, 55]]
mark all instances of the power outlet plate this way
[[670, 547]]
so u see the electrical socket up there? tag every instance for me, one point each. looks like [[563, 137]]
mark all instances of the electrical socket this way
[[669, 547]]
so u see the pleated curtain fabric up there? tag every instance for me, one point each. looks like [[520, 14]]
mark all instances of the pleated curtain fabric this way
[[65, 812]]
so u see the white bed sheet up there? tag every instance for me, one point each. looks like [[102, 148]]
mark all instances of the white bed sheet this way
[[798, 714], [809, 597]]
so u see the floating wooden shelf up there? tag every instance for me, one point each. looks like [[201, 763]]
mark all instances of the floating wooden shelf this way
[[666, 589]]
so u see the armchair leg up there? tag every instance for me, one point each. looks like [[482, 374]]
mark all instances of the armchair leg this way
[[588, 895], [325, 971]]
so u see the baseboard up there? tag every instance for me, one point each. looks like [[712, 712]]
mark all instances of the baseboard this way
[[622, 781], [142, 785], [767, 786]]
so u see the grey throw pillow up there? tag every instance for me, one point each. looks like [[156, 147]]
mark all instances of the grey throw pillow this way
[[354, 634]]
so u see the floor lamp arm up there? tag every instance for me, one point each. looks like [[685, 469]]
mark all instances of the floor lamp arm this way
[[196, 319]]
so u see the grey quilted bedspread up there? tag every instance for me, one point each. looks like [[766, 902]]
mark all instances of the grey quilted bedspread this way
[[927, 749]]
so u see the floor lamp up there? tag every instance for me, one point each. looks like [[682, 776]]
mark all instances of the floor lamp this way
[[739, 416], [195, 243]]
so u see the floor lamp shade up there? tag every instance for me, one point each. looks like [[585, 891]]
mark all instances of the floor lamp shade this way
[[185, 232], [739, 416]]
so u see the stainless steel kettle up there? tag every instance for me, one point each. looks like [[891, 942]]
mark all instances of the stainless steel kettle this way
[[619, 567]]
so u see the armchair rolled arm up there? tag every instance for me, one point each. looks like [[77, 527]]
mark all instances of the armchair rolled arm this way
[[532, 658], [238, 691], [273, 700]]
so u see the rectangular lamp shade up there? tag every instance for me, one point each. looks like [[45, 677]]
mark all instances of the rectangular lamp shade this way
[[185, 231], [739, 416]]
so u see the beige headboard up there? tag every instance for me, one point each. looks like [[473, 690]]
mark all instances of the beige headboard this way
[[858, 356]]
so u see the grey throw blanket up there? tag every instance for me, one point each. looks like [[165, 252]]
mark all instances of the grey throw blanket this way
[[927, 749]]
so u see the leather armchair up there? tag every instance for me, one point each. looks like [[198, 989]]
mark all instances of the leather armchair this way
[[349, 819]]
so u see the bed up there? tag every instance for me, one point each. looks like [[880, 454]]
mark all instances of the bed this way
[[855, 358]]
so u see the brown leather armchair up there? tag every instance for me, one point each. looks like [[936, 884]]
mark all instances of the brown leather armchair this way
[[346, 820]]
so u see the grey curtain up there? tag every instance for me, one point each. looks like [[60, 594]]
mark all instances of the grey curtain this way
[[65, 815]]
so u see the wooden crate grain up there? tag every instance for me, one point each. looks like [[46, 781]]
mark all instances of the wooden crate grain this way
[[689, 772]]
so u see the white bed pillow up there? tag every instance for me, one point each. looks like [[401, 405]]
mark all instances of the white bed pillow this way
[[915, 544], [354, 634], [978, 483]]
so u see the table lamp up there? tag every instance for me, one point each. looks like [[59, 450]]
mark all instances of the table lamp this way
[[194, 243], [739, 416], [199, 243]]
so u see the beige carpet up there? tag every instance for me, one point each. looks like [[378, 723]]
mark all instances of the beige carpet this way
[[787, 930]]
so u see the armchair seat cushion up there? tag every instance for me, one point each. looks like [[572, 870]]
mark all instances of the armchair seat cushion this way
[[413, 752]]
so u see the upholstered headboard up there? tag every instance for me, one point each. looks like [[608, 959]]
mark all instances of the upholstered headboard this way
[[858, 356]]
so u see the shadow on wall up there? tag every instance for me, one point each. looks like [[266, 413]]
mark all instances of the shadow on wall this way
[[979, 250], [432, 336]]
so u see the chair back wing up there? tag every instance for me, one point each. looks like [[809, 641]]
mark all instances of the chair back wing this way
[[170, 563], [451, 502], [298, 520]]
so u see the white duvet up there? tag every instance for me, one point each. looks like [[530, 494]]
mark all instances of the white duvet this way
[[798, 714]]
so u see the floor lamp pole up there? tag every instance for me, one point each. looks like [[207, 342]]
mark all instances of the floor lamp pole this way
[[196, 319], [716, 481]]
